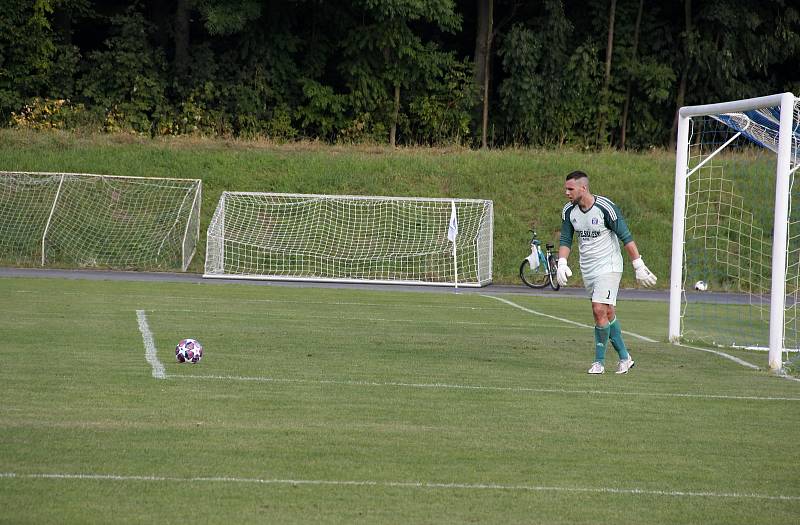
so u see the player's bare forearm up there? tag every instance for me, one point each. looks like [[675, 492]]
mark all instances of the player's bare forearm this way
[[563, 252], [633, 251]]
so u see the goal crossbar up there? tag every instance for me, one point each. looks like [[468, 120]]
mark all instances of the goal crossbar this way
[[353, 197]]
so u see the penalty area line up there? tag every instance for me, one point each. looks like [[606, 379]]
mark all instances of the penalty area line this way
[[632, 334], [409, 485], [568, 321], [721, 354], [150, 353]]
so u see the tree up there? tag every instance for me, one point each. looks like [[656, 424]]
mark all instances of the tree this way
[[396, 71], [601, 128], [551, 80], [27, 48], [483, 49], [182, 14], [126, 79], [383, 53], [629, 84], [688, 38]]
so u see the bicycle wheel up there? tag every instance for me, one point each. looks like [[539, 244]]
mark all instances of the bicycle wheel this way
[[551, 276], [537, 278]]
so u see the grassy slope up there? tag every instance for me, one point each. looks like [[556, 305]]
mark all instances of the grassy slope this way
[[525, 185]]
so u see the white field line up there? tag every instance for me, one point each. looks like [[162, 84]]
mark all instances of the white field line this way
[[715, 352], [150, 347], [723, 354], [568, 321], [784, 375], [410, 485], [446, 386]]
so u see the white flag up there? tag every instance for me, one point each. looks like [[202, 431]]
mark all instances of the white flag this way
[[452, 229]]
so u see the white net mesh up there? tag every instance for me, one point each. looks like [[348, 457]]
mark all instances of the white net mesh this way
[[730, 203], [760, 126], [349, 238], [98, 221]]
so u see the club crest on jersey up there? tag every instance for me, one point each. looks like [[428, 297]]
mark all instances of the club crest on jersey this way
[[594, 220]]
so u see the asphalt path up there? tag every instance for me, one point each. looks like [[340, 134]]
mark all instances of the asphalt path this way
[[491, 289]]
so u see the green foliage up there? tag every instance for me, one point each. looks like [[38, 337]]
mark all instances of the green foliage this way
[[441, 12], [441, 114], [127, 78], [63, 71], [26, 50], [652, 82], [323, 112], [651, 74], [44, 114], [385, 53], [330, 70], [279, 126], [550, 95], [735, 43], [364, 129], [228, 16], [195, 117]]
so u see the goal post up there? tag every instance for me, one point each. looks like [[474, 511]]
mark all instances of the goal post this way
[[347, 238], [98, 221], [734, 228]]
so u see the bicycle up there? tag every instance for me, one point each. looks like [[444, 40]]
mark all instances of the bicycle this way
[[539, 268]]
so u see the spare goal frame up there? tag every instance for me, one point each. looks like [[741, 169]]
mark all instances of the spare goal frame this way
[[351, 239]]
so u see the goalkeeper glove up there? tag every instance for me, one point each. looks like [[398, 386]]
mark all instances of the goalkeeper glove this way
[[643, 275], [563, 272]]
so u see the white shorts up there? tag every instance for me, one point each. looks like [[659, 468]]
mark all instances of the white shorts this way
[[603, 288]]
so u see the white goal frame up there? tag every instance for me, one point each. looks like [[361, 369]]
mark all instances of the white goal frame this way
[[786, 102], [41, 205], [462, 258]]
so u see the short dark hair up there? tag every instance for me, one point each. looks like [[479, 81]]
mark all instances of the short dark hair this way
[[577, 175]]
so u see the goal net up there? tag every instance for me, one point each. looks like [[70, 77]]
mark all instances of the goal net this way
[[351, 239], [736, 238], [70, 219]]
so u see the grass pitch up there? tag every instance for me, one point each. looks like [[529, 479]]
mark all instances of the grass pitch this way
[[316, 405]]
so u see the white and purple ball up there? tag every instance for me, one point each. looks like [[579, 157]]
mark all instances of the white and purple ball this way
[[189, 351]]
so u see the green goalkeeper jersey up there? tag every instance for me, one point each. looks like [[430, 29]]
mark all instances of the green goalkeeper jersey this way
[[599, 230]]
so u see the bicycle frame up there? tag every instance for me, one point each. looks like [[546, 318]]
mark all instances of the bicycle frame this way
[[537, 256], [538, 269]]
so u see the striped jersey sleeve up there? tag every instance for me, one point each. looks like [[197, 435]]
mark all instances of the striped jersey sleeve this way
[[614, 219], [567, 230]]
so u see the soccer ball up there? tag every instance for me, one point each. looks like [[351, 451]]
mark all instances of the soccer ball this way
[[701, 286], [188, 351]]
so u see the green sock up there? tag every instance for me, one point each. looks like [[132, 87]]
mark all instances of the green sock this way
[[615, 335], [600, 340]]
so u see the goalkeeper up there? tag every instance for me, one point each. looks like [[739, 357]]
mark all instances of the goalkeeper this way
[[599, 225]]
